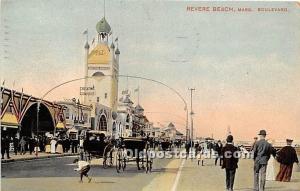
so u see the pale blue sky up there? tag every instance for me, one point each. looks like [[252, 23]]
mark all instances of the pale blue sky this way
[[231, 58]]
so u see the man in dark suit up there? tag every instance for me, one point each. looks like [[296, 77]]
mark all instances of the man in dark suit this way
[[262, 151], [218, 149], [230, 162]]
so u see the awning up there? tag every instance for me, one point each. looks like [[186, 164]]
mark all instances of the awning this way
[[9, 120], [60, 125]]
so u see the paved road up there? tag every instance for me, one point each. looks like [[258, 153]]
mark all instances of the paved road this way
[[169, 174], [53, 174]]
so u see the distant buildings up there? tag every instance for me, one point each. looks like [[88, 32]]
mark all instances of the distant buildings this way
[[77, 117], [171, 133]]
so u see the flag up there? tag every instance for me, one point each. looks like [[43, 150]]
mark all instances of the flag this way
[[116, 40], [85, 32]]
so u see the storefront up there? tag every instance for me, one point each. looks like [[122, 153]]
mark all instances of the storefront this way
[[9, 125]]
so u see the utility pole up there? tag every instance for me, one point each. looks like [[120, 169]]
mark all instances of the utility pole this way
[[192, 113], [1, 100]]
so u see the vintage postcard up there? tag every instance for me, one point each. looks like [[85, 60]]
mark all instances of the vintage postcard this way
[[150, 95]]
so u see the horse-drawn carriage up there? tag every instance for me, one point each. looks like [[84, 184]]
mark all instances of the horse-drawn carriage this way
[[97, 145], [134, 150], [166, 145]]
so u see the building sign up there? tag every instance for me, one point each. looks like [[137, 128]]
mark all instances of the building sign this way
[[87, 90], [99, 55]]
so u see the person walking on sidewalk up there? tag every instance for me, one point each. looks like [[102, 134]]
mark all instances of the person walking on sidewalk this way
[[31, 145], [16, 145], [229, 153], [262, 151], [5, 141], [218, 149], [287, 156], [22, 146]]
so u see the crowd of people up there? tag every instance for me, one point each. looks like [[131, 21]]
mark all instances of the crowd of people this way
[[262, 151], [33, 145]]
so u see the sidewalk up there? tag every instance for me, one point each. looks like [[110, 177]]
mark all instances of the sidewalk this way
[[41, 155], [212, 178]]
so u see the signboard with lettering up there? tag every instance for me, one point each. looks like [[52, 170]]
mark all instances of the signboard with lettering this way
[[87, 90]]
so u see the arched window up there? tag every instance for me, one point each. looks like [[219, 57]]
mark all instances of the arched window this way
[[114, 127], [103, 123]]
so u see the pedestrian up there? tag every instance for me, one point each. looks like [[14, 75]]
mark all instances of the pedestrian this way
[[262, 151], [22, 146], [270, 173], [36, 146], [187, 148], [59, 148], [16, 145], [31, 145], [53, 146], [2, 147], [41, 144], [5, 145], [218, 149], [287, 156], [67, 142], [230, 156], [83, 169], [81, 148], [254, 142], [201, 155]]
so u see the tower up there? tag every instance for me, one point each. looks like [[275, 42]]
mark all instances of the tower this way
[[103, 61]]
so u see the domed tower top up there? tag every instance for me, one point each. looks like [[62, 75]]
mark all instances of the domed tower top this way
[[103, 26]]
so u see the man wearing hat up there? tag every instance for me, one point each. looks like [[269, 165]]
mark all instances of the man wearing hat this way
[[230, 161], [218, 149], [287, 156], [262, 151]]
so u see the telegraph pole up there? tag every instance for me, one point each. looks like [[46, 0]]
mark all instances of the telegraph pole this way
[[192, 113]]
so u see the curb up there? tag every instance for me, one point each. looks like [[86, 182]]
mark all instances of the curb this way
[[36, 158]]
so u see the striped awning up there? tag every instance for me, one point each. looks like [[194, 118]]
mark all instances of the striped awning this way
[[9, 120], [60, 125]]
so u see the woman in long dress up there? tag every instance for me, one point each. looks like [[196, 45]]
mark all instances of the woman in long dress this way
[[270, 174], [53, 145]]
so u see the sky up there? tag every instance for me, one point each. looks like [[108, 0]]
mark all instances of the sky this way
[[244, 66]]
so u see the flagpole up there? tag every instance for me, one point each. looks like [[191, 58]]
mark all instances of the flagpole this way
[[139, 95]]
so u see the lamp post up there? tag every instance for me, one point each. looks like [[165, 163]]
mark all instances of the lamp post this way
[[100, 75], [1, 94], [192, 113]]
